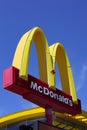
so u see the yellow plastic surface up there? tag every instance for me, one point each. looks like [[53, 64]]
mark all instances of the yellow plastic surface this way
[[60, 56], [37, 113], [22, 115], [47, 57], [22, 53]]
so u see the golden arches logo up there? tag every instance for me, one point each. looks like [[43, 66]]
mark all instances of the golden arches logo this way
[[48, 56]]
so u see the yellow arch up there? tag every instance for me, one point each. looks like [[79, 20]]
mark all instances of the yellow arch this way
[[22, 53], [46, 60], [59, 54]]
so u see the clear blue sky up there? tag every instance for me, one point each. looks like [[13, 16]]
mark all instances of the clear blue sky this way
[[61, 20]]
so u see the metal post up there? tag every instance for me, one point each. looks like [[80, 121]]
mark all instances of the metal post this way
[[49, 117]]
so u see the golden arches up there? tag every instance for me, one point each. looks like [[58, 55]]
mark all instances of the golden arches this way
[[21, 56], [46, 55], [60, 56]]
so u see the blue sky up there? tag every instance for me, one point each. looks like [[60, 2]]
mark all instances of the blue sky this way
[[62, 21]]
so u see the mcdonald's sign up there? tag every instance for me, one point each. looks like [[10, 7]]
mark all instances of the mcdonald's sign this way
[[43, 91]]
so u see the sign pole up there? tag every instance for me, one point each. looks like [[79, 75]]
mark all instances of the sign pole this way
[[49, 116]]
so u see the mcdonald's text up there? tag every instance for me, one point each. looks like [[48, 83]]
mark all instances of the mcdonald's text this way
[[52, 94]]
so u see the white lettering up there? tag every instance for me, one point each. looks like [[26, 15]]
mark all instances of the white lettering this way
[[40, 89], [60, 98], [46, 91], [33, 86], [66, 100], [70, 103], [55, 96], [51, 93]]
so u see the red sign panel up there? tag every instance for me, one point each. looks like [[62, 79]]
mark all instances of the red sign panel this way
[[40, 93]]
